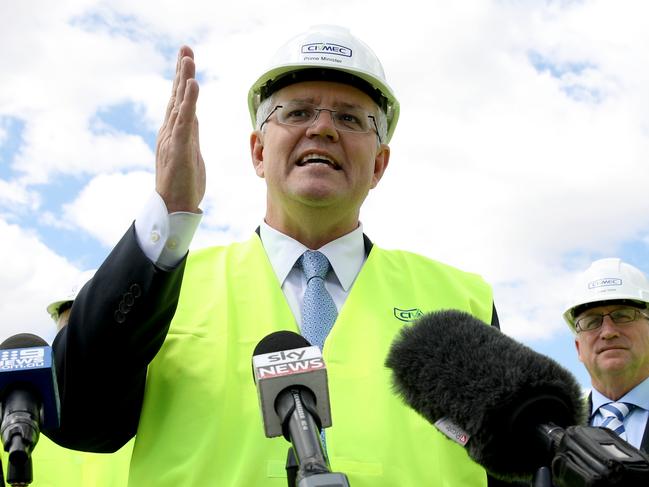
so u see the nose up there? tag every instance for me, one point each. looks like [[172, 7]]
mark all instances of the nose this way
[[609, 328], [324, 126]]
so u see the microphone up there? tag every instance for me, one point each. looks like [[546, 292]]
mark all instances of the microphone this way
[[291, 381], [501, 400], [29, 399], [282, 360]]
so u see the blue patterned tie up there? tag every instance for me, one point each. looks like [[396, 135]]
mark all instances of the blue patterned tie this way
[[614, 414], [318, 309]]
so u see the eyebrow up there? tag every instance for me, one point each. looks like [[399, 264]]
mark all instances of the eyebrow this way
[[617, 307], [341, 104]]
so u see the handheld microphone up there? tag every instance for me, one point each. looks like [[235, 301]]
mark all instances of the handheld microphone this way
[[511, 404], [28, 397], [291, 381], [485, 389], [285, 359]]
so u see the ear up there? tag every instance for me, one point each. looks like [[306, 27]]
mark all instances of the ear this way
[[381, 161], [257, 152], [578, 350]]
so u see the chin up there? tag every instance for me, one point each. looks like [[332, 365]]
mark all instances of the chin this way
[[618, 364], [318, 193]]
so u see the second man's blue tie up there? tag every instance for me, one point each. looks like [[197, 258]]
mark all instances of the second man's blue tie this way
[[614, 414]]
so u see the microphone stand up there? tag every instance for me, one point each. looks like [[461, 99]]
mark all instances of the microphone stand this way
[[21, 474], [306, 465], [323, 479], [291, 467]]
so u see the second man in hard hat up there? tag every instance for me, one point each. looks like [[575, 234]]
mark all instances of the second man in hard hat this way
[[610, 318]]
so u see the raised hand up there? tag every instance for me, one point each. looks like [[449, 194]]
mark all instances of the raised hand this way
[[180, 169]]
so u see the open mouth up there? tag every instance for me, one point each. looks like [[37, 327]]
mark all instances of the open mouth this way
[[318, 159]]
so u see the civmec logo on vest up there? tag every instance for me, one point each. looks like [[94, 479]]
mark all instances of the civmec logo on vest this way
[[287, 362], [408, 315], [22, 358]]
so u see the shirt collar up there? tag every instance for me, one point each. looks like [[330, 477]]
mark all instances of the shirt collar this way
[[639, 396], [346, 254]]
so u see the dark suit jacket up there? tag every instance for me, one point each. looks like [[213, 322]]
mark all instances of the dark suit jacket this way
[[117, 324]]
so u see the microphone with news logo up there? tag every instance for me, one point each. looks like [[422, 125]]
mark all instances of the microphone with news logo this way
[[29, 400], [291, 380], [513, 409]]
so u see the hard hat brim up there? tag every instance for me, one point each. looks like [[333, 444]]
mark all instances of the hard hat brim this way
[[569, 314], [256, 95], [53, 308]]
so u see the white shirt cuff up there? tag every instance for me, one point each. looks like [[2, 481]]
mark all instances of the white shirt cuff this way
[[164, 238]]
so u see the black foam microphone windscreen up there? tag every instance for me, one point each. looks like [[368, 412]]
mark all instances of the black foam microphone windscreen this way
[[285, 360], [279, 341], [451, 366]]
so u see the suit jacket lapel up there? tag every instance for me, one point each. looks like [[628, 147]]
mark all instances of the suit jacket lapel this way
[[644, 446]]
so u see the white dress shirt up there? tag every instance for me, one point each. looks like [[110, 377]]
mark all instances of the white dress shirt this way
[[165, 238], [346, 256], [636, 421]]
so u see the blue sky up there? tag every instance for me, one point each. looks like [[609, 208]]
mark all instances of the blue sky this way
[[521, 152]]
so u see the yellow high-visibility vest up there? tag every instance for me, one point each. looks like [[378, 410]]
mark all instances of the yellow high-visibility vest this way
[[201, 424], [55, 466]]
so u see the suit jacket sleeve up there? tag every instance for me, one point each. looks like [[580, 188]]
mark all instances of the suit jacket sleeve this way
[[118, 323]]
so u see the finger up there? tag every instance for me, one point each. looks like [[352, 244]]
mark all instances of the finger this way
[[187, 72], [170, 122], [184, 51], [196, 133], [187, 110], [172, 99], [196, 142]]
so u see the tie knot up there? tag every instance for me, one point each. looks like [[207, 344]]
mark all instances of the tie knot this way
[[619, 410], [314, 264]]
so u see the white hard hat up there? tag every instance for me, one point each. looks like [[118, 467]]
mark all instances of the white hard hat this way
[[326, 49], [71, 295], [608, 280]]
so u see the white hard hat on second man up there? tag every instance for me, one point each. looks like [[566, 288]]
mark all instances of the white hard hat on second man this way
[[606, 280]]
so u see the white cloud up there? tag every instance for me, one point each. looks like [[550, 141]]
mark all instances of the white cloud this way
[[3, 133], [109, 203], [15, 196], [60, 76], [495, 169], [521, 149], [32, 276]]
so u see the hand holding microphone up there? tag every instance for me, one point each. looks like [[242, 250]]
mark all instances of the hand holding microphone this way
[[508, 405]]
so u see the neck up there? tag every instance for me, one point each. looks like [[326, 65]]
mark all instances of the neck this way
[[615, 388], [314, 228]]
